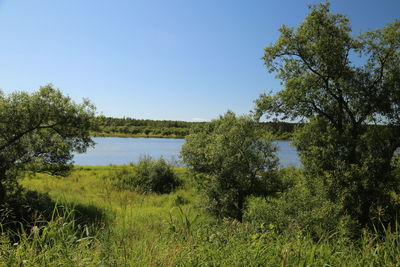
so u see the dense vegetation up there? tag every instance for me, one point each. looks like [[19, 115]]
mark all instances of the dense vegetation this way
[[232, 205], [232, 158], [148, 176], [344, 156], [40, 129], [126, 127], [129, 127], [126, 228]]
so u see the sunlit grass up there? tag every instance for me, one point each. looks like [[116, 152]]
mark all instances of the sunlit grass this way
[[138, 223], [163, 230]]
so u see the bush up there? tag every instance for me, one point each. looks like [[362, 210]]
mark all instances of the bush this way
[[148, 175], [302, 207]]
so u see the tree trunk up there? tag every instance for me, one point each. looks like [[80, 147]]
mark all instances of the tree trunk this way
[[364, 218], [2, 193], [240, 206]]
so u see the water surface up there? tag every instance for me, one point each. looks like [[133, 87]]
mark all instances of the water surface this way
[[117, 150]]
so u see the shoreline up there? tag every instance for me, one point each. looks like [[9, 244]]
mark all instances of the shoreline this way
[[124, 135]]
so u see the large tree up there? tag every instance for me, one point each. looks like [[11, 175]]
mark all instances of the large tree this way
[[43, 129], [233, 159], [348, 88]]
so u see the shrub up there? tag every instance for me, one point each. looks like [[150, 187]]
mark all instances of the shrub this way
[[148, 175], [302, 207]]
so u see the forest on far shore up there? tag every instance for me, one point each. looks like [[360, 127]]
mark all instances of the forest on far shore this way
[[130, 127]]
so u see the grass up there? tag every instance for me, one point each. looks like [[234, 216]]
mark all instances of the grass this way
[[170, 229]]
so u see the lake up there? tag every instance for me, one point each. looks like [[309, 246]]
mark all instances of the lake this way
[[118, 151]]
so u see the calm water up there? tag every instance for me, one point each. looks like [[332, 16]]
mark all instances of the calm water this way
[[115, 150]]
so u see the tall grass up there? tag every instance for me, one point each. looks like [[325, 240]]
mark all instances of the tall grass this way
[[59, 242], [171, 229]]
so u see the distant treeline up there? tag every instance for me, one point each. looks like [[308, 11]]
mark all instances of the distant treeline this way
[[130, 127], [281, 130], [109, 126]]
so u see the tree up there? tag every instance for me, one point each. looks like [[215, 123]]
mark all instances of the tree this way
[[233, 159], [352, 105], [42, 128]]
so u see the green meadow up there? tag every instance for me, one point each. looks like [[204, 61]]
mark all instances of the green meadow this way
[[126, 228]]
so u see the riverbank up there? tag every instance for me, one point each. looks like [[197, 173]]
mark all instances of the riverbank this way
[[127, 135], [283, 137]]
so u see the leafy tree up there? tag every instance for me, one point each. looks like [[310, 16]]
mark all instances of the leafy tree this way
[[352, 105], [40, 129], [233, 159]]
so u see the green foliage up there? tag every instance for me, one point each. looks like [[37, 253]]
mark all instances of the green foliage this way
[[301, 208], [280, 130], [136, 229], [352, 109], [181, 223], [232, 159], [142, 230], [363, 189], [130, 127], [25, 209], [147, 176], [58, 242], [291, 217], [146, 128], [180, 200], [42, 128], [229, 244]]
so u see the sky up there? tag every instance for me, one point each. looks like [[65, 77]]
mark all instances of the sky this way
[[157, 59]]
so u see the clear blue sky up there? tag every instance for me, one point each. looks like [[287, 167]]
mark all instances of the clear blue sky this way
[[164, 59]]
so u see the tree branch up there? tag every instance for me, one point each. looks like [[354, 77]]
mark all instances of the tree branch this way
[[20, 135]]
